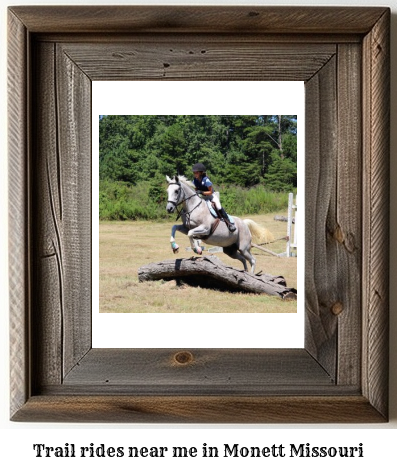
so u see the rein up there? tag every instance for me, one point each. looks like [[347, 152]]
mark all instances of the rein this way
[[181, 202]]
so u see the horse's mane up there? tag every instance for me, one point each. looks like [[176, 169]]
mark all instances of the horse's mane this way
[[183, 179], [188, 182]]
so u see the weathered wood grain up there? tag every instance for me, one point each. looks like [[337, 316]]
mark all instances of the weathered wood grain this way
[[208, 59], [320, 173], [55, 375], [73, 89], [62, 205], [19, 223], [198, 19], [131, 37], [198, 370], [47, 202], [348, 223], [199, 409], [376, 111]]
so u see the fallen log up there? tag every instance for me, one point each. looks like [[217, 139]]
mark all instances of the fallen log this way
[[210, 272]]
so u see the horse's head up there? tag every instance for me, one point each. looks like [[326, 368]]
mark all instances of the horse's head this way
[[175, 193]]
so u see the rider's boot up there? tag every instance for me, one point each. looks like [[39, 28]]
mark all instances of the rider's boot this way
[[229, 224]]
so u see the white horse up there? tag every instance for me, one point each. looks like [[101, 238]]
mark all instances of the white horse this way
[[200, 224]]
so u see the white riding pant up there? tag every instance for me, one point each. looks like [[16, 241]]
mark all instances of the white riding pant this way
[[214, 197]]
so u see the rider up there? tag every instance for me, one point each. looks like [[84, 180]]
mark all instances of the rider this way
[[204, 187]]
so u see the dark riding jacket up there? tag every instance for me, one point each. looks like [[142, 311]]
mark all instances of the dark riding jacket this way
[[204, 185]]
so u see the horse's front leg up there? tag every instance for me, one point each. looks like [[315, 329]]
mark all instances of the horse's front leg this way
[[195, 245], [195, 236], [180, 228]]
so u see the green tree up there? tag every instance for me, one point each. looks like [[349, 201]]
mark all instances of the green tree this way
[[282, 174], [241, 150]]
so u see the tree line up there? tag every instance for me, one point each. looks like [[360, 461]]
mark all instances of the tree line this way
[[238, 151]]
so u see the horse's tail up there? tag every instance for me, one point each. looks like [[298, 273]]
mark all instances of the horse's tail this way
[[259, 234]]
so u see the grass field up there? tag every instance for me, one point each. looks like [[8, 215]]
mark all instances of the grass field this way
[[126, 246]]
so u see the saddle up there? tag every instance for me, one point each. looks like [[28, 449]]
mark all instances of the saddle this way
[[218, 218], [214, 225], [214, 212]]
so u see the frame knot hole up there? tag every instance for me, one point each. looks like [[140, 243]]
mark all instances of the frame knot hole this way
[[347, 239], [183, 358], [339, 235], [337, 308]]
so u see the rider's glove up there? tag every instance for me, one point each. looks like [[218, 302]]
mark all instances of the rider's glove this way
[[199, 192]]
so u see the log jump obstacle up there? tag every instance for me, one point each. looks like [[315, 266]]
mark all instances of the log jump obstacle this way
[[209, 272]]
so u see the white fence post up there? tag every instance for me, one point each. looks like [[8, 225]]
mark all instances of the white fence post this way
[[292, 242]]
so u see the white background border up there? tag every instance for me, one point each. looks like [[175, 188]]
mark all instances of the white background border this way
[[231, 330]]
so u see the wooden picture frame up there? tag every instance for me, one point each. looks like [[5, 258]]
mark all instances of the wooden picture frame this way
[[342, 54]]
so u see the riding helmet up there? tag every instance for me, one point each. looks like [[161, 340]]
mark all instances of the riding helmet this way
[[198, 168]]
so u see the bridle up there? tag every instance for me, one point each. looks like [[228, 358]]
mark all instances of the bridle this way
[[183, 200]]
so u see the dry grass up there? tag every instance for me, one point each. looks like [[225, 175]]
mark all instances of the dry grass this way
[[125, 246]]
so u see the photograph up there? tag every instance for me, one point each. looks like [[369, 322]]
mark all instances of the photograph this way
[[210, 193]]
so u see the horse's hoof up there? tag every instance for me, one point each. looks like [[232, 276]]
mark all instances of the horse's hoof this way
[[198, 250], [175, 247]]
